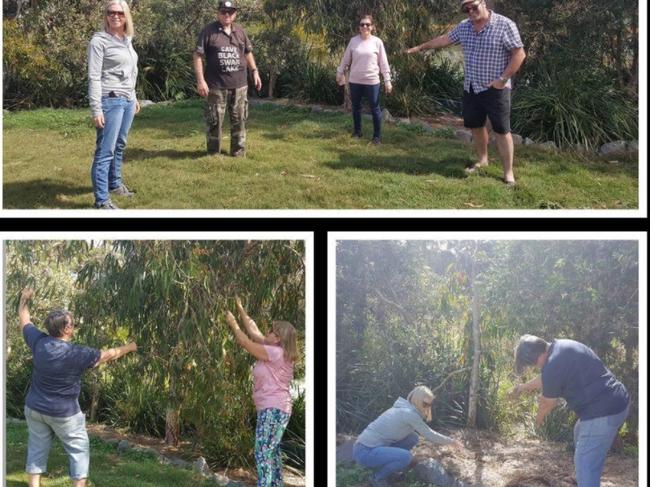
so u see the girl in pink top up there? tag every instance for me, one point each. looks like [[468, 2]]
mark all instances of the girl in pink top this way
[[272, 376], [365, 57]]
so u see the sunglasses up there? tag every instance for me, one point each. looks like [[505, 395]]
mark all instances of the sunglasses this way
[[472, 8], [227, 12], [365, 24], [115, 13]]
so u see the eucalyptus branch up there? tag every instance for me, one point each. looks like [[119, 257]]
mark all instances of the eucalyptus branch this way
[[448, 376]]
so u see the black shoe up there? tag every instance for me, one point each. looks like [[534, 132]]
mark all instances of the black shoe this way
[[356, 135], [106, 205], [122, 190], [376, 140], [239, 153]]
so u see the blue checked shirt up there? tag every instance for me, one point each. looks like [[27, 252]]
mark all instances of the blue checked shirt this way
[[487, 53]]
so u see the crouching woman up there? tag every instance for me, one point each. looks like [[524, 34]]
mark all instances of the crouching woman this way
[[276, 354], [385, 445]]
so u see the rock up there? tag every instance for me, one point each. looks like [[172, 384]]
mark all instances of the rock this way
[[405, 121], [146, 103], [432, 472], [316, 108], [613, 148], [517, 139], [176, 462], [528, 141], [220, 479], [201, 466], [122, 446], [386, 116], [548, 145], [633, 146], [344, 452], [113, 441], [464, 135]]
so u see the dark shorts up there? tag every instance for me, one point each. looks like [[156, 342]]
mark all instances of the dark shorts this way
[[492, 103]]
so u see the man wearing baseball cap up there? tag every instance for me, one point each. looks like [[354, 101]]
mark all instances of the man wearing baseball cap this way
[[493, 53], [571, 370], [228, 55]]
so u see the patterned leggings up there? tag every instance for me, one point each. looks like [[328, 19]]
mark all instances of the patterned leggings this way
[[271, 424]]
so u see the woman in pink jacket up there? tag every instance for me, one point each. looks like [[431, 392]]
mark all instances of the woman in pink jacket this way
[[365, 57], [276, 354]]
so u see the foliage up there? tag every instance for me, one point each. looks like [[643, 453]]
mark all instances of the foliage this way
[[404, 313], [170, 297]]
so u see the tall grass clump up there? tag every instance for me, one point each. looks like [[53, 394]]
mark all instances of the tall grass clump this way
[[574, 109], [308, 79]]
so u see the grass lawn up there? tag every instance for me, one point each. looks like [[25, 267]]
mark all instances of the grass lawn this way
[[296, 159], [107, 467]]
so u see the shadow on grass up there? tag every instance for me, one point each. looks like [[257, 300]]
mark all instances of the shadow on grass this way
[[43, 193], [136, 154], [449, 167]]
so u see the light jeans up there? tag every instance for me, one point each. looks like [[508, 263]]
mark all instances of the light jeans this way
[[386, 460], [592, 439], [106, 172], [72, 433]]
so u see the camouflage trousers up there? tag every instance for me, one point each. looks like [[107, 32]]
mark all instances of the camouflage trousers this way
[[236, 102]]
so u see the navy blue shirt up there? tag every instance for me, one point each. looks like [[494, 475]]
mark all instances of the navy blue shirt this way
[[574, 372], [56, 377]]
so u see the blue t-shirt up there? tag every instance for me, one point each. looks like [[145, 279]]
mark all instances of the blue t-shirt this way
[[56, 377], [573, 371]]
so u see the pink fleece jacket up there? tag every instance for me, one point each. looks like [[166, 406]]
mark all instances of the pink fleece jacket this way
[[366, 59]]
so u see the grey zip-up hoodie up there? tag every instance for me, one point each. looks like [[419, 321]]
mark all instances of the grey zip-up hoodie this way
[[396, 424], [112, 66]]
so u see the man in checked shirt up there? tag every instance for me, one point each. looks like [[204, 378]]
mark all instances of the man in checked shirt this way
[[493, 53]]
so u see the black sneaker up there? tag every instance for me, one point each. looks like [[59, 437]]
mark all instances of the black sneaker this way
[[122, 190], [239, 153], [376, 140], [106, 205]]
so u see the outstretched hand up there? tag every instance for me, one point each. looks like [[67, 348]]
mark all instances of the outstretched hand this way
[[515, 392], [240, 308], [26, 294], [232, 322]]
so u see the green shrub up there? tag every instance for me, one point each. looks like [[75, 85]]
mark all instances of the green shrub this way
[[573, 108]]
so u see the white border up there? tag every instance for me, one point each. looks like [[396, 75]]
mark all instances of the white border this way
[[308, 239], [334, 237]]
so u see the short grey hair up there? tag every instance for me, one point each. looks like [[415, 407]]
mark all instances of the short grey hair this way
[[527, 351], [56, 322]]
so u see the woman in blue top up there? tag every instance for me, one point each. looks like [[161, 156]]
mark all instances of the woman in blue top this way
[[52, 403], [385, 444]]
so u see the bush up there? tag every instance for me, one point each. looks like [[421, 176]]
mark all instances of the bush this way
[[573, 108]]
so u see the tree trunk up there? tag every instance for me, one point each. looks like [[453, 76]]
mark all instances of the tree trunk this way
[[172, 426], [476, 339], [273, 77], [95, 399]]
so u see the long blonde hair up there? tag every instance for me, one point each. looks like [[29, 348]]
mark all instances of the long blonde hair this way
[[417, 397], [287, 334], [128, 20]]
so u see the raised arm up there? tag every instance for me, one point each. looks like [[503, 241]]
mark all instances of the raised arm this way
[[249, 325], [257, 350], [23, 308], [115, 353], [435, 43]]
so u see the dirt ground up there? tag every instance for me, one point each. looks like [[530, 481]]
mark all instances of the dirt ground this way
[[185, 451], [488, 460]]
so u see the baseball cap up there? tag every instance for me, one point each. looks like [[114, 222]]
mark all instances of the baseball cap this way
[[227, 4]]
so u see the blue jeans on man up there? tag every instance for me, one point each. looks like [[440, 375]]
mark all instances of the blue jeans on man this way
[[106, 171], [371, 93], [72, 433], [386, 460], [592, 439]]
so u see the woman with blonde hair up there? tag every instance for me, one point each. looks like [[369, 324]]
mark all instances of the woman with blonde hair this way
[[276, 354], [385, 444], [112, 74]]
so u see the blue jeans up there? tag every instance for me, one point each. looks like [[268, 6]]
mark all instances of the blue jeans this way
[[72, 433], [386, 460], [592, 439], [371, 92], [106, 172]]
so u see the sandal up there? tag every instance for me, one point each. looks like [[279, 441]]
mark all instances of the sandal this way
[[474, 168]]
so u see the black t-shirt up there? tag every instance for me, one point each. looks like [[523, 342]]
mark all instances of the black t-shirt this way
[[225, 56], [573, 371]]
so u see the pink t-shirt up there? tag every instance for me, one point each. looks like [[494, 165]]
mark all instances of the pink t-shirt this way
[[366, 59], [271, 381]]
